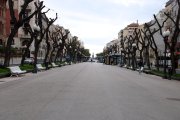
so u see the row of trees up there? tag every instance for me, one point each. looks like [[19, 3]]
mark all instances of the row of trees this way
[[57, 39], [143, 39]]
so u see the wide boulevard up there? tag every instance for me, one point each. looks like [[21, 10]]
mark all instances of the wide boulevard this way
[[89, 91]]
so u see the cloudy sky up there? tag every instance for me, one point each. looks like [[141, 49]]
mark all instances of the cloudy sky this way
[[96, 22]]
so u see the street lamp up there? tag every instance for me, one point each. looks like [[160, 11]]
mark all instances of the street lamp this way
[[114, 58], [70, 53], [165, 35], [36, 28], [59, 42], [75, 55], [134, 54], [110, 58], [121, 49]]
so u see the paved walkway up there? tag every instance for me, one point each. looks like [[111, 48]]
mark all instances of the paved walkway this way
[[89, 91]]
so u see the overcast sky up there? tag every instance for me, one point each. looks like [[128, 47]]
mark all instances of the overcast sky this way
[[97, 22]]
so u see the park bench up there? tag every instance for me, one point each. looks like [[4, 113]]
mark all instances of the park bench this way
[[54, 65], [146, 69], [40, 67], [15, 70]]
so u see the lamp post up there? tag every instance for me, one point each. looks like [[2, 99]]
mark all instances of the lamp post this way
[[59, 55], [134, 54], [121, 57], [109, 58], [165, 35], [114, 58], [75, 55], [70, 53]]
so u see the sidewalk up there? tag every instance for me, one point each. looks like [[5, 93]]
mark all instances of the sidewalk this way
[[9, 79]]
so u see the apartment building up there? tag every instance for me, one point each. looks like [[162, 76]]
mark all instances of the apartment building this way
[[2, 21], [113, 52], [22, 37], [172, 8], [9, 24]]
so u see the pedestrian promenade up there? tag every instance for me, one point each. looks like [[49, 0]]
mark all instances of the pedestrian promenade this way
[[89, 91]]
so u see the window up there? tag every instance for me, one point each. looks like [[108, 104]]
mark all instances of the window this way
[[1, 42], [1, 11], [25, 14], [1, 28]]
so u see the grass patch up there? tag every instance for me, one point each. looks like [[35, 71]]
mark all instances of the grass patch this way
[[156, 72], [161, 73], [27, 67], [176, 75], [4, 70]]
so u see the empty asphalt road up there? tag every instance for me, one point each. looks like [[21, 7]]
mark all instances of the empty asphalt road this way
[[89, 91]]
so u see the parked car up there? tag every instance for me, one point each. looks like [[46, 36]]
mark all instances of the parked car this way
[[29, 61]]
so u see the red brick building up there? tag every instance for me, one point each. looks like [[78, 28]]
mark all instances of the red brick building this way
[[2, 21], [8, 17]]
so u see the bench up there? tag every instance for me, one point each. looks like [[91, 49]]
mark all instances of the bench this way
[[40, 67], [54, 65], [15, 70], [146, 70]]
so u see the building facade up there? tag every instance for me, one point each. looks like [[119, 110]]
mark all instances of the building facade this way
[[2, 21]]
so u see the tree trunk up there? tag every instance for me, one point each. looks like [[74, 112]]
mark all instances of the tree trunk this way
[[26, 51], [8, 47], [57, 54], [46, 61], [51, 55], [157, 60], [35, 55], [128, 59], [147, 57], [47, 53]]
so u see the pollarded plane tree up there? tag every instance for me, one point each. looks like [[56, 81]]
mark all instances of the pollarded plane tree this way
[[149, 35], [26, 51], [144, 49], [123, 49], [42, 32], [105, 54], [56, 40], [64, 33], [174, 31], [16, 23], [139, 42], [129, 48], [135, 46], [51, 37], [33, 33], [74, 46]]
